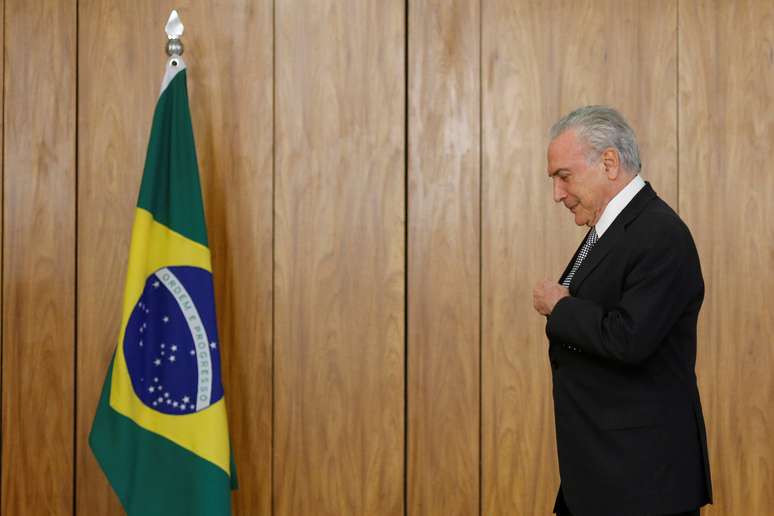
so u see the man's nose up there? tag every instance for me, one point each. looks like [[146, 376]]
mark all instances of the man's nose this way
[[559, 193]]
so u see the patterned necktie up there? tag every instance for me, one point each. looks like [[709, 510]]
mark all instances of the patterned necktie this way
[[587, 245]]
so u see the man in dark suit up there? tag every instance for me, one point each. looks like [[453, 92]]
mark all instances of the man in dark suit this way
[[622, 329]]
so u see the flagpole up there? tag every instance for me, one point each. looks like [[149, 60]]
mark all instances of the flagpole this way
[[174, 30], [174, 48]]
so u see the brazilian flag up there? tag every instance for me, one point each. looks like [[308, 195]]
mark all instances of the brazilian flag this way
[[160, 433]]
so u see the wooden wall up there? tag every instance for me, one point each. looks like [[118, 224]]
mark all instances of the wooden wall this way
[[378, 211], [338, 253], [39, 255], [726, 120], [443, 190]]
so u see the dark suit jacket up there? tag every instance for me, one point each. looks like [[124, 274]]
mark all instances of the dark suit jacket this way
[[629, 426]]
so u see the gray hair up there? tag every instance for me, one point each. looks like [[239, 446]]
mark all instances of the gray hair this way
[[602, 127]]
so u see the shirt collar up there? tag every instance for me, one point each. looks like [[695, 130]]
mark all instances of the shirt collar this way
[[617, 204]]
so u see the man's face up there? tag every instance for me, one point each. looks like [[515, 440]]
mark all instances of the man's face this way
[[580, 186]]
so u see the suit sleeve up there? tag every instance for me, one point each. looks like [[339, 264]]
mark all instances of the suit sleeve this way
[[660, 284]]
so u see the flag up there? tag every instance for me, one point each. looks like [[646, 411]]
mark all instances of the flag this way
[[160, 433]]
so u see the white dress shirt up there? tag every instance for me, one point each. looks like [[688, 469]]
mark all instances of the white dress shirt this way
[[617, 204]]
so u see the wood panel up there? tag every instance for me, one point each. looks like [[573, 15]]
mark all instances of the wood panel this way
[[443, 265], [230, 89], [541, 60], [118, 83], [726, 140], [230, 52], [39, 258], [339, 258]]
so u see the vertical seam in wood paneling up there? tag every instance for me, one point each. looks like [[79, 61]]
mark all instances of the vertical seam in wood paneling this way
[[2, 245], [75, 275], [406, 13], [677, 104], [480, 259], [273, 240]]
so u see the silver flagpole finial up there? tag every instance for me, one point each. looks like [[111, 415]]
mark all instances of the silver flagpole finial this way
[[174, 29]]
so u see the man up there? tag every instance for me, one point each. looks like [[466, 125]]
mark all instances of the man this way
[[622, 329]]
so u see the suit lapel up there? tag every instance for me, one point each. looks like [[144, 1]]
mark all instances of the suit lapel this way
[[612, 236]]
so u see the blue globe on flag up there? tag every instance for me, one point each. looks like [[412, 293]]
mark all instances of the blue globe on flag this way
[[171, 342]]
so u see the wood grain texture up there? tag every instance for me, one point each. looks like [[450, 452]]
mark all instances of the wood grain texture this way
[[341, 233], [230, 96], [339, 258], [726, 141], [39, 258], [541, 60], [231, 79], [443, 267], [118, 85]]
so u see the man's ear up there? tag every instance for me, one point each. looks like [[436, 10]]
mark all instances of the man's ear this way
[[612, 163]]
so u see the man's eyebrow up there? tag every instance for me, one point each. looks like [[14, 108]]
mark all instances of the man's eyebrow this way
[[558, 170]]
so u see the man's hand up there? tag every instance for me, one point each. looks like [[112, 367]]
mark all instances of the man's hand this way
[[546, 294]]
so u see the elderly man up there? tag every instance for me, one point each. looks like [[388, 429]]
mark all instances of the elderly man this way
[[622, 329]]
